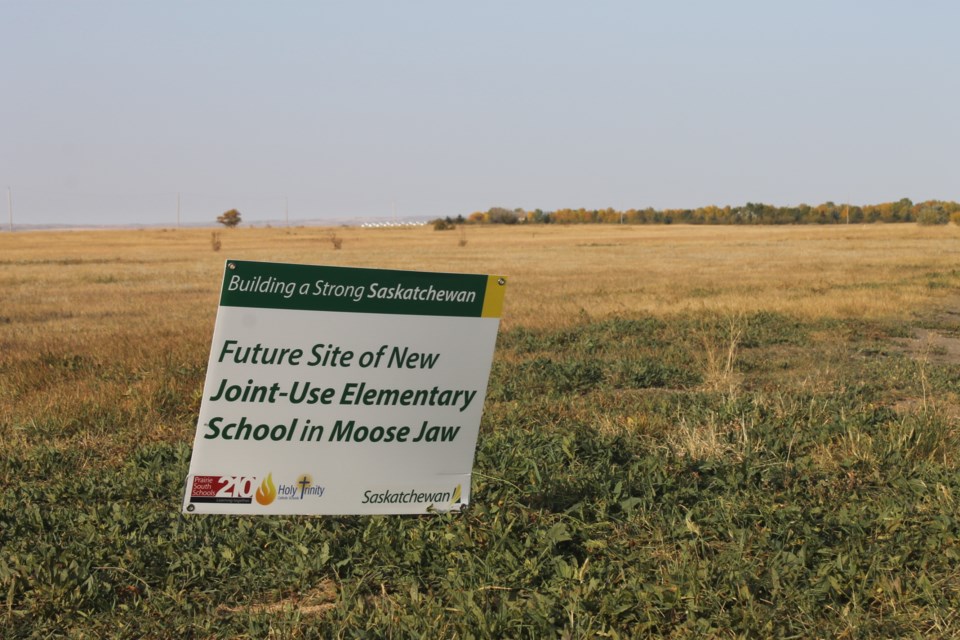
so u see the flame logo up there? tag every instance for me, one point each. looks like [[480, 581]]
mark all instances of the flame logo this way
[[456, 495], [267, 492]]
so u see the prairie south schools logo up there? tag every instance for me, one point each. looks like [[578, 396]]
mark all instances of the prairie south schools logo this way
[[232, 489]]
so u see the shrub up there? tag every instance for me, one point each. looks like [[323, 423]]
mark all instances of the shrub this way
[[932, 214], [500, 215], [229, 219]]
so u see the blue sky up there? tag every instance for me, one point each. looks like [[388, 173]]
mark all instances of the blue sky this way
[[350, 109]]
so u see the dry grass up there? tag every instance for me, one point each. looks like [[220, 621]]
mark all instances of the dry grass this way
[[720, 356], [314, 602], [710, 439], [859, 271], [80, 311]]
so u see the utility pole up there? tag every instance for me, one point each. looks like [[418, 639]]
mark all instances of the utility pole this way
[[178, 210], [286, 209], [10, 205]]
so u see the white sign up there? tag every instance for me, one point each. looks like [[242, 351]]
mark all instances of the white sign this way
[[334, 390]]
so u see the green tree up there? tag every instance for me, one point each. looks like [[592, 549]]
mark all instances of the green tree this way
[[501, 215], [229, 219], [930, 214]]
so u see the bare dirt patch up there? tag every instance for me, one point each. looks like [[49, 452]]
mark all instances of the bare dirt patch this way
[[937, 343], [315, 602], [940, 345]]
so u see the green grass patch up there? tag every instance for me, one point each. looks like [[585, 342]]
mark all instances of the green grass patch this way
[[616, 494]]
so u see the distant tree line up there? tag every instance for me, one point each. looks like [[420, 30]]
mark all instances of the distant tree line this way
[[928, 212]]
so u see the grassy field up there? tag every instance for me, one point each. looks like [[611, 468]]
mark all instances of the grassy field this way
[[689, 432]]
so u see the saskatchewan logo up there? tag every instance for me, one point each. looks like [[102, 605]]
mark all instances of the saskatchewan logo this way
[[412, 496], [267, 492]]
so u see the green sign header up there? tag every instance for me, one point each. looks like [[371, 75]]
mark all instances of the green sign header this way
[[271, 285]]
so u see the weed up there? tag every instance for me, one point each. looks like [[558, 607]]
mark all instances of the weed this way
[[720, 341]]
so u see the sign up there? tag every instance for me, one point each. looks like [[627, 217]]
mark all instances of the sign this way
[[334, 390]]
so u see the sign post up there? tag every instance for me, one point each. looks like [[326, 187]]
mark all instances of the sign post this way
[[334, 390]]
